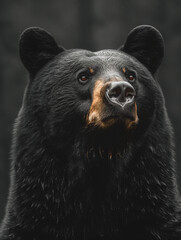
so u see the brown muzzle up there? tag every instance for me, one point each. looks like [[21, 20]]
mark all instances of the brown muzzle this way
[[112, 101]]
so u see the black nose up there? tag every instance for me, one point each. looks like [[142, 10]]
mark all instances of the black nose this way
[[121, 93]]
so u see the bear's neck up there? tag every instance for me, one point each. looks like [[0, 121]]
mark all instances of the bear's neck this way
[[95, 183]]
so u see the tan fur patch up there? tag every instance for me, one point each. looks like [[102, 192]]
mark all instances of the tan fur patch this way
[[130, 123], [93, 116], [124, 69], [91, 70]]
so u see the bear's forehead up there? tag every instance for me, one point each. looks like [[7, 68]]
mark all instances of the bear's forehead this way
[[103, 54], [103, 57]]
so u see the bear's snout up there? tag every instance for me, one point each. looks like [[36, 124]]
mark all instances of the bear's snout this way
[[120, 93], [113, 101]]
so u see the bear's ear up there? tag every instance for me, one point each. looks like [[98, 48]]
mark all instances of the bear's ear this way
[[146, 44], [37, 47]]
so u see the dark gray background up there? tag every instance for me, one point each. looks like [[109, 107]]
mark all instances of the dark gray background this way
[[92, 24]]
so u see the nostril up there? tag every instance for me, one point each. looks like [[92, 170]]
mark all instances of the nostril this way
[[129, 92], [120, 93], [115, 92]]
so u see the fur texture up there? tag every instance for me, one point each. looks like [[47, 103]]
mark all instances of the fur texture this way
[[73, 181]]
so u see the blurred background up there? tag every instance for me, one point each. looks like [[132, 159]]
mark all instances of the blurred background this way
[[90, 24]]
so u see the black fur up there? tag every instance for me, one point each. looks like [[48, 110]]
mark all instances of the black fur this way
[[73, 182], [146, 44], [37, 47]]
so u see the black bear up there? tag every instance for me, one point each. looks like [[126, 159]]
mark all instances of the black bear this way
[[93, 152]]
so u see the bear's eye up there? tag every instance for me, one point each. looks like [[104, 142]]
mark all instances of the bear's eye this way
[[131, 76], [83, 77]]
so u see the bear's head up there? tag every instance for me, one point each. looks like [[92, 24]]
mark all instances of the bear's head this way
[[110, 92]]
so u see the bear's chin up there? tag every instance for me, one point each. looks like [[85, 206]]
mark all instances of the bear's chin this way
[[113, 134], [124, 122]]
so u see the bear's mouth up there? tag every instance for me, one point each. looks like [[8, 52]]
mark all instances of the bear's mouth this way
[[106, 110], [120, 117], [126, 115]]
